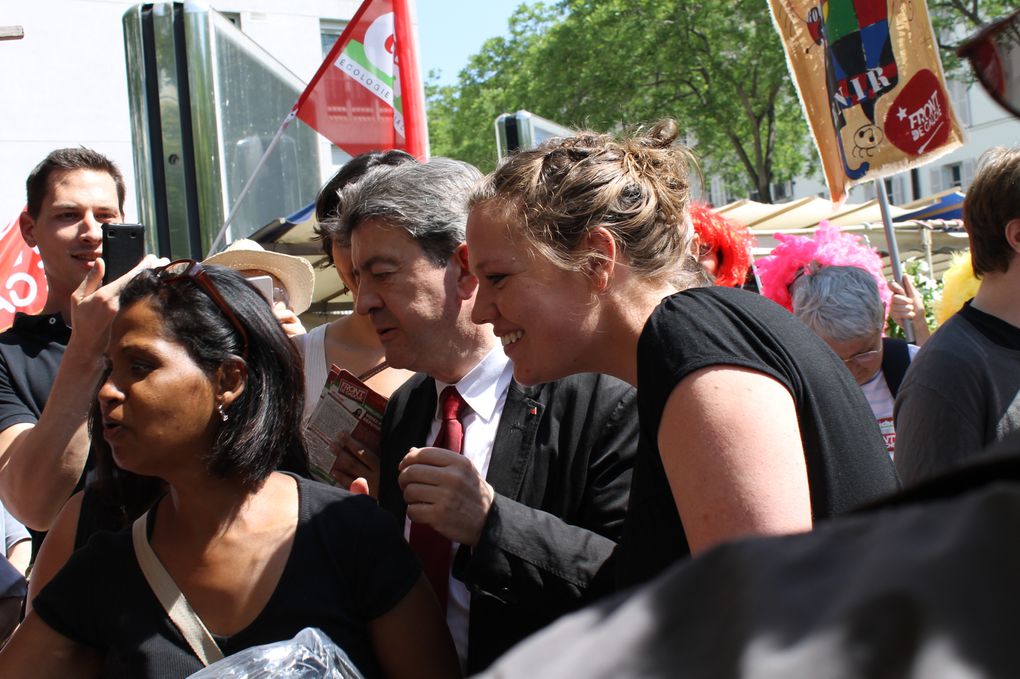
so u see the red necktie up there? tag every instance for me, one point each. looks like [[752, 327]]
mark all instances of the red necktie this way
[[432, 548]]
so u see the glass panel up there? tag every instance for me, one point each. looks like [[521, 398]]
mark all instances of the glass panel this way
[[329, 32], [206, 102], [253, 94]]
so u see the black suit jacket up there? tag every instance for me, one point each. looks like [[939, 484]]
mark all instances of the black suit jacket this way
[[560, 467]]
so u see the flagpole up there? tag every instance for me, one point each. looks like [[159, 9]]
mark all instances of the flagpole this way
[[251, 181], [894, 250], [412, 92]]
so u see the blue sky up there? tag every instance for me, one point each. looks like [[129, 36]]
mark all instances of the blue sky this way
[[450, 31]]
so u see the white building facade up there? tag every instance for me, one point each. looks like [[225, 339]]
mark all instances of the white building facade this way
[[65, 82]]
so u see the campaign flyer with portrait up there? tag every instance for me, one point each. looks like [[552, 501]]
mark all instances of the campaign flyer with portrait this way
[[346, 405], [870, 80]]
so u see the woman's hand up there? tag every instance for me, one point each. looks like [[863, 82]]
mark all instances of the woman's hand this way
[[93, 305], [907, 306]]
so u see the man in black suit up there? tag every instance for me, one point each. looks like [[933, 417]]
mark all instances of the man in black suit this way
[[528, 512]]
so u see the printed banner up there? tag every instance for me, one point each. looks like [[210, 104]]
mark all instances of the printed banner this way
[[869, 77], [22, 278], [368, 95]]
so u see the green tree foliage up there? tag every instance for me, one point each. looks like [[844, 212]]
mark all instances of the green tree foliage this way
[[496, 80], [717, 66]]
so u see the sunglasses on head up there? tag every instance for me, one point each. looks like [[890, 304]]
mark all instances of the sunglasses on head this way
[[193, 270], [994, 53]]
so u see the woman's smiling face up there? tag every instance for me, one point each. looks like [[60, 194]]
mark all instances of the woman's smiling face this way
[[542, 313]]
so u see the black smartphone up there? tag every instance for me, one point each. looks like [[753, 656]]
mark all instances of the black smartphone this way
[[123, 247]]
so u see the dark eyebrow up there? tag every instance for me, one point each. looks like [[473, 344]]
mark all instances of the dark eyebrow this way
[[64, 205]]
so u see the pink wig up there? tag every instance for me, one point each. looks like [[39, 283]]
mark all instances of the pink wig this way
[[729, 241], [796, 255]]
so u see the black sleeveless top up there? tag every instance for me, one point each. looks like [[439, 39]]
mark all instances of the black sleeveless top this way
[[845, 454]]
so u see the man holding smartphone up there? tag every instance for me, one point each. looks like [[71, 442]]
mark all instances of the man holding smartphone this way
[[48, 374]]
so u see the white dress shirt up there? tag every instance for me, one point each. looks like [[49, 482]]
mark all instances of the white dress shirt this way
[[484, 389]]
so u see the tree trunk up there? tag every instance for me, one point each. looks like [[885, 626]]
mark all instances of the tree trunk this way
[[764, 189]]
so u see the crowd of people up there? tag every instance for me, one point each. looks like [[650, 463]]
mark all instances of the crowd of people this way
[[586, 413]]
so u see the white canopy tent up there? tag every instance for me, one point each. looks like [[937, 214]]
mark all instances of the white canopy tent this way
[[934, 240]]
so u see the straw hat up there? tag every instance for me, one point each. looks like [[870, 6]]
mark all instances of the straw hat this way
[[295, 273]]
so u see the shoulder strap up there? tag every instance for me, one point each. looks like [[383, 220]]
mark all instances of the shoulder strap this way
[[372, 372], [176, 606], [895, 361]]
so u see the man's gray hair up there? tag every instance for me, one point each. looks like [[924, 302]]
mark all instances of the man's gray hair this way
[[428, 200], [840, 303]]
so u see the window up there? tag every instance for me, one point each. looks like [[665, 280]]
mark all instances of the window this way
[[952, 175], [233, 17], [782, 191], [896, 189], [967, 174], [717, 192], [959, 98], [329, 32]]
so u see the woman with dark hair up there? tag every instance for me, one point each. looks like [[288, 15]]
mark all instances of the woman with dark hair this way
[[206, 395], [749, 424], [350, 342]]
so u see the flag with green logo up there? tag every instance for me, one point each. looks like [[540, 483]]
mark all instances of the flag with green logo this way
[[367, 95]]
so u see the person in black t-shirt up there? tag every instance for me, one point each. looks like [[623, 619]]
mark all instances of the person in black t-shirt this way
[[206, 395], [749, 424], [962, 392], [48, 374]]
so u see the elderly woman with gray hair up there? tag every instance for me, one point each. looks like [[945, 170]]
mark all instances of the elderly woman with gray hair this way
[[843, 306]]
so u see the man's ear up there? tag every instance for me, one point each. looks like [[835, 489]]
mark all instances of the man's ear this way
[[27, 225], [467, 283], [602, 263], [231, 378], [1013, 234]]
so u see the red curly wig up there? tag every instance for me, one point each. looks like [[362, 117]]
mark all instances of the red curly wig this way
[[730, 242]]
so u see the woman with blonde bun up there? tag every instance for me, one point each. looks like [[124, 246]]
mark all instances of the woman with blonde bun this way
[[749, 423]]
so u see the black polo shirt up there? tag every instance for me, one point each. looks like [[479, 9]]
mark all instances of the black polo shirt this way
[[30, 355]]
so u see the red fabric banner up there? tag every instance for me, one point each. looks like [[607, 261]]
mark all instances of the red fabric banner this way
[[367, 94], [22, 278]]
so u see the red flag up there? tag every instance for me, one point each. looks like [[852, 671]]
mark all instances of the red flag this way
[[367, 94], [22, 278]]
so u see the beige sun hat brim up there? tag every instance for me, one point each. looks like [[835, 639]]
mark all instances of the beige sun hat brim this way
[[296, 273]]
